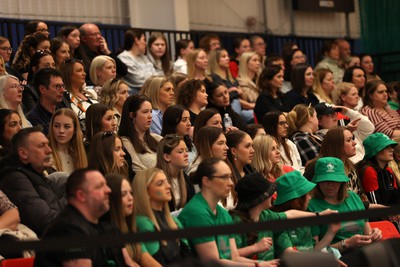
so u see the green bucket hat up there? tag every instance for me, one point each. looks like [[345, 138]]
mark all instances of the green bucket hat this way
[[292, 185], [375, 143], [329, 169]]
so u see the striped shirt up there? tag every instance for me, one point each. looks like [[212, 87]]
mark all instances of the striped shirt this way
[[385, 122]]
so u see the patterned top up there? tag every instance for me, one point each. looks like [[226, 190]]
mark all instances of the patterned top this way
[[5, 203], [385, 122], [308, 145]]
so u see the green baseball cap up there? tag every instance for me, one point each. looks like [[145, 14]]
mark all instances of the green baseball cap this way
[[375, 143], [292, 185], [329, 169]]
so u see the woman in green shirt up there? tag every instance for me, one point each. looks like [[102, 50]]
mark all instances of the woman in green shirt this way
[[215, 180], [331, 193]]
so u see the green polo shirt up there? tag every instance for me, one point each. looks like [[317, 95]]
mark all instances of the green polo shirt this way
[[265, 215], [347, 229], [197, 213]]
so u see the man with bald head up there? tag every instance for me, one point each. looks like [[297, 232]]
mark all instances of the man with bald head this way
[[94, 44], [344, 49]]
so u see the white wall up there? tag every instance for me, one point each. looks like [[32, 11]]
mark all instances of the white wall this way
[[210, 15], [230, 15], [105, 11]]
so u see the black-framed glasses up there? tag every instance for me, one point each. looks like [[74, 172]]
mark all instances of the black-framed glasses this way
[[7, 49], [283, 123], [59, 87]]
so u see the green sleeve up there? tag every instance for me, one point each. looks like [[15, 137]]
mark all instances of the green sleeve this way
[[144, 224], [143, 247], [240, 239]]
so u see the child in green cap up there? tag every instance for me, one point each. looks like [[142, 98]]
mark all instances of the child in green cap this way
[[294, 193], [331, 193], [378, 179], [254, 203]]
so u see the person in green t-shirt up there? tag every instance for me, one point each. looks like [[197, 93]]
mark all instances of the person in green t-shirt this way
[[152, 193], [254, 201], [215, 180], [331, 193], [293, 193]]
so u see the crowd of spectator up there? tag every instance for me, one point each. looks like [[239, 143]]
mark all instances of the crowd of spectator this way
[[97, 142]]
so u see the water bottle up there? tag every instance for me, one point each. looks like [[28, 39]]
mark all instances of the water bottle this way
[[227, 121]]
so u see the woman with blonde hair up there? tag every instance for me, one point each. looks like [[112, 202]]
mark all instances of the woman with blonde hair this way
[[160, 91], [218, 67], [114, 95], [102, 68], [249, 67], [197, 63], [11, 96], [123, 214], [3, 70], [152, 193], [65, 140], [267, 158], [303, 125], [346, 97], [323, 85]]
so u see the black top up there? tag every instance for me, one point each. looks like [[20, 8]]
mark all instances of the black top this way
[[294, 98], [169, 253], [71, 223], [39, 200], [190, 192], [193, 117], [266, 103], [236, 118], [40, 116]]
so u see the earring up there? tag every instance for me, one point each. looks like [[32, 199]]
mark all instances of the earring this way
[[235, 157]]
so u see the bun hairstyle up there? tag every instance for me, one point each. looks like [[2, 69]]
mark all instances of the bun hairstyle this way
[[298, 116], [206, 168]]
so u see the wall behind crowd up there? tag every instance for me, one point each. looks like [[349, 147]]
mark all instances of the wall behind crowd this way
[[185, 15]]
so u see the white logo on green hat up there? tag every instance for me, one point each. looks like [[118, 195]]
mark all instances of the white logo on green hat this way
[[330, 167]]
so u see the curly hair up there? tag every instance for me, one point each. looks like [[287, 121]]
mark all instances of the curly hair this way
[[22, 56], [188, 92]]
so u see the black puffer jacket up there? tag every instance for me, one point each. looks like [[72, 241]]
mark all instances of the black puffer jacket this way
[[38, 199]]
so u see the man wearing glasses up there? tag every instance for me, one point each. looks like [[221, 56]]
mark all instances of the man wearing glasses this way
[[94, 44], [50, 87]]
